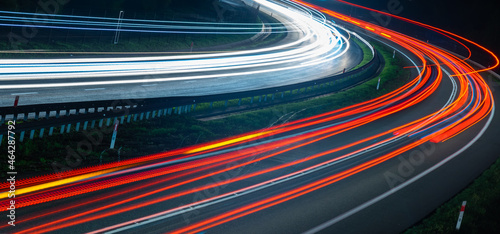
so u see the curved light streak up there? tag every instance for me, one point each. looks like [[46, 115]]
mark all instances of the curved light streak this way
[[319, 44]]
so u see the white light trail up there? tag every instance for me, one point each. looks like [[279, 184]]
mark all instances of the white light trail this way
[[319, 43]]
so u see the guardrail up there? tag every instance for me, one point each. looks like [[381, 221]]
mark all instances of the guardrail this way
[[65, 117]]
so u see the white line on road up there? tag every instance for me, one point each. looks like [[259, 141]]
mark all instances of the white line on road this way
[[95, 89], [146, 85], [16, 94], [227, 196]]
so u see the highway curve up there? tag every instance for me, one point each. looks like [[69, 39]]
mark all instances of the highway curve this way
[[377, 166], [309, 45]]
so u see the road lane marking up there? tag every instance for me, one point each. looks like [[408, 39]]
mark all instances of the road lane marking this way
[[221, 198], [95, 89], [17, 94]]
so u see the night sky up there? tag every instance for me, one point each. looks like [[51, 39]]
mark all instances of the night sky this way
[[476, 20]]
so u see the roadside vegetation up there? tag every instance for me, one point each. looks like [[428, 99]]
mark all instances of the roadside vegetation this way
[[481, 213]]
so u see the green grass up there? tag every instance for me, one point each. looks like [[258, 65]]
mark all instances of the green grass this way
[[367, 53]]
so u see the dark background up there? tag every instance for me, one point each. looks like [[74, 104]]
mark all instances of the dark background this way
[[475, 20], [203, 7]]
